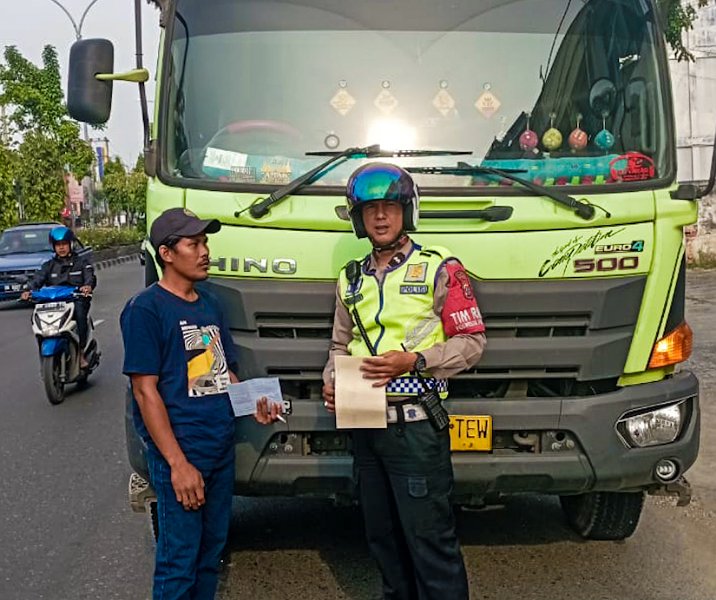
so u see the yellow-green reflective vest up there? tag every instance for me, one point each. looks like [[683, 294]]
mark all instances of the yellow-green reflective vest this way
[[398, 312]]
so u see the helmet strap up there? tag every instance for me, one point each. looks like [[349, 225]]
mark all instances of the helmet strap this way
[[396, 243]]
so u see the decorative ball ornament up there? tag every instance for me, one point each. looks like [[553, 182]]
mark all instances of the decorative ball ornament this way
[[604, 139], [552, 138], [529, 139], [578, 138]]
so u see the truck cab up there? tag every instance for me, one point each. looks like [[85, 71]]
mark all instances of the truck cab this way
[[541, 135]]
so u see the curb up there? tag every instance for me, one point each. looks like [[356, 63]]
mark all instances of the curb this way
[[110, 262]]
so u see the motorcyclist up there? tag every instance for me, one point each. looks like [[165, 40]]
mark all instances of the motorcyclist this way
[[66, 267]]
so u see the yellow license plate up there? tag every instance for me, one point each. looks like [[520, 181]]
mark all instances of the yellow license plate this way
[[470, 433]]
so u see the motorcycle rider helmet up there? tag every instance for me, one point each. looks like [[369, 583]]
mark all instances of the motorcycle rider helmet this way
[[61, 234], [382, 181]]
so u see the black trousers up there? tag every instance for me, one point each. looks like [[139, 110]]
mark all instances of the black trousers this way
[[405, 481], [82, 307]]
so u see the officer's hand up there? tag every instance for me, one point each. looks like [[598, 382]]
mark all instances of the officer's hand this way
[[267, 413], [86, 290], [188, 485], [388, 365], [25, 295], [329, 397]]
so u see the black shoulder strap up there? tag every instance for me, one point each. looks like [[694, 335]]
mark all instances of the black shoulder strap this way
[[353, 274]]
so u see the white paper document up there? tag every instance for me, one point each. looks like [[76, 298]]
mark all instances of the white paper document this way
[[245, 394], [359, 405]]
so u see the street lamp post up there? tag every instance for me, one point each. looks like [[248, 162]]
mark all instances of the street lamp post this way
[[85, 131]]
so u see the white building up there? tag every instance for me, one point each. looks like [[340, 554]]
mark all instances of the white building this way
[[694, 88]]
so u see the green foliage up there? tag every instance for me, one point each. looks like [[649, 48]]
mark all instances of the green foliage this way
[[50, 142], [41, 176], [34, 93], [107, 237], [8, 207], [125, 191], [678, 17]]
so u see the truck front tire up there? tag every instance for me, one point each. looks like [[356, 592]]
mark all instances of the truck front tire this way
[[604, 515]]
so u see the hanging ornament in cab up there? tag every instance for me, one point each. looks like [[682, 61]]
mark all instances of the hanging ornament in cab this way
[[605, 138], [578, 138], [552, 138], [529, 139]]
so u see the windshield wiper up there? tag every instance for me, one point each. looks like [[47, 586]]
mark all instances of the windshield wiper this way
[[581, 208], [262, 206]]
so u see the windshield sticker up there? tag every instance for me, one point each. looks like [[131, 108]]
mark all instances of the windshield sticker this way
[[243, 174], [216, 158], [632, 166], [443, 101], [385, 101], [487, 103], [276, 172], [342, 102], [562, 255]]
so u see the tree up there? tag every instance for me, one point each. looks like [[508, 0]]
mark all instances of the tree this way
[[49, 142], [8, 199], [678, 17], [125, 191]]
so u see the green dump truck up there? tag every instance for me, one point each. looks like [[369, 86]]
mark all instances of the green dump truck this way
[[541, 135]]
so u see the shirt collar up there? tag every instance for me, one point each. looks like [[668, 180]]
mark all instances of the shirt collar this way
[[401, 254]]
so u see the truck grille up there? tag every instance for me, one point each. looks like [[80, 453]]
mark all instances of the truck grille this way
[[561, 330]]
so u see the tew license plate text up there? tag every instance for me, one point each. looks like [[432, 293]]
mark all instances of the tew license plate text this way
[[470, 433]]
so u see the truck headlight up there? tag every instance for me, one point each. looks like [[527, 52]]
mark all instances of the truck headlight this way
[[654, 427]]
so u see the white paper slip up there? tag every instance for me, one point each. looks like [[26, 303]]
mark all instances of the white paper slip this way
[[245, 394], [359, 405]]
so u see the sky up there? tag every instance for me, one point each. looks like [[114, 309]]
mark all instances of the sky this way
[[32, 24]]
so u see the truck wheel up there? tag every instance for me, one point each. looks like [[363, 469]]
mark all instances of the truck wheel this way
[[54, 388], [154, 520], [604, 515]]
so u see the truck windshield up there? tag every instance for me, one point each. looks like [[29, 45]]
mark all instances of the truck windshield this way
[[570, 92]]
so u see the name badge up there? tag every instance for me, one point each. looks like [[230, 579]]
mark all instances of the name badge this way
[[413, 289]]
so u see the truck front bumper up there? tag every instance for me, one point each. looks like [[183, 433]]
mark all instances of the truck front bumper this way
[[308, 457]]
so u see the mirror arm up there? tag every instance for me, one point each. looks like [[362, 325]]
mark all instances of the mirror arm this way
[[142, 89], [691, 191], [134, 76], [712, 176]]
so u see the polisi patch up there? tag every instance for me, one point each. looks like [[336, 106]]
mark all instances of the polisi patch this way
[[416, 273], [413, 289]]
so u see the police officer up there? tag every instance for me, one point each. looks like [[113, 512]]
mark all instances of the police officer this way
[[411, 312], [67, 268]]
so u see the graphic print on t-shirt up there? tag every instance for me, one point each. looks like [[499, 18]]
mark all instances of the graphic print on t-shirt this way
[[207, 371]]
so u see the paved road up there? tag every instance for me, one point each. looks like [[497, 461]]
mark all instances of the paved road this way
[[67, 531]]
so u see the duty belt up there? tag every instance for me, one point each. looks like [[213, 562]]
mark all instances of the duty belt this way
[[411, 412], [411, 386]]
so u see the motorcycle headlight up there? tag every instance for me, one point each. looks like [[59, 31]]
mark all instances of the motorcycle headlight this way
[[654, 427]]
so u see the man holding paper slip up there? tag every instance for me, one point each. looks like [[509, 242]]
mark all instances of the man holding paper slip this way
[[410, 313], [180, 358]]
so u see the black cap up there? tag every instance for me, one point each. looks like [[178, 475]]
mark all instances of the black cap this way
[[179, 222]]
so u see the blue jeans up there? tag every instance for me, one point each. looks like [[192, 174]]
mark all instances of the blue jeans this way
[[190, 541]]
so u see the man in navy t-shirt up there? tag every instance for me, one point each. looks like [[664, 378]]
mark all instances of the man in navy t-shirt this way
[[180, 358]]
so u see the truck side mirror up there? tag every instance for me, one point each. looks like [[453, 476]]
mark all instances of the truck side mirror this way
[[88, 99]]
